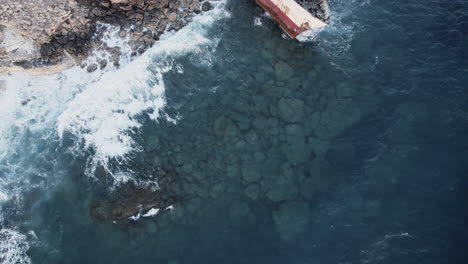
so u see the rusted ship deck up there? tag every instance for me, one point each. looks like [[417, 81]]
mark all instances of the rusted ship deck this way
[[291, 16]]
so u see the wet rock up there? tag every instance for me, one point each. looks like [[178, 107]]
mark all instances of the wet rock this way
[[102, 64], [291, 220], [206, 6], [172, 16], [92, 67], [129, 200], [122, 33], [291, 110]]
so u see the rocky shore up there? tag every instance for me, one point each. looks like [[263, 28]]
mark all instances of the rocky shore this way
[[45, 36]]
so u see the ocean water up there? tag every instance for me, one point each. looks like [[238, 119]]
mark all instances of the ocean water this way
[[348, 146]]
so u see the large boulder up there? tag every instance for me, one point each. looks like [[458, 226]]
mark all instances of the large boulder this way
[[291, 220]]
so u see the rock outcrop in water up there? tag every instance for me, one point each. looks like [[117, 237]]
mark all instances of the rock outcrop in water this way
[[129, 203], [46, 33]]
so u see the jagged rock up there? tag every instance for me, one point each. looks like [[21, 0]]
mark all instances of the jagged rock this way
[[91, 68], [102, 64], [291, 220], [128, 201], [206, 6]]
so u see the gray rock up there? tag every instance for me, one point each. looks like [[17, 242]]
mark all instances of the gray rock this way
[[291, 220], [206, 6], [102, 64], [91, 68], [291, 110]]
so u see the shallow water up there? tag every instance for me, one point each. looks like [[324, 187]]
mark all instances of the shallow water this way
[[348, 147]]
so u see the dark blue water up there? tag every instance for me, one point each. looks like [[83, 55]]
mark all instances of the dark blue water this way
[[350, 148]]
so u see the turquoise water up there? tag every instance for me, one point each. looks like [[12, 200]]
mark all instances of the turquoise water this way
[[349, 147]]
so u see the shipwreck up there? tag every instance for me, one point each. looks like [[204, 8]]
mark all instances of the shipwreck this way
[[297, 16]]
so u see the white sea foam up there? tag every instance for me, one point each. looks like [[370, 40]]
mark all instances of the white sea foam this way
[[99, 109], [152, 212], [104, 116], [135, 217], [13, 247]]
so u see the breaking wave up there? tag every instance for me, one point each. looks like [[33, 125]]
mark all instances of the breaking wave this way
[[99, 111], [13, 247], [104, 116]]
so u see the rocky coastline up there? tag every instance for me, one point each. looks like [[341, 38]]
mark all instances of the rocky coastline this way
[[46, 36]]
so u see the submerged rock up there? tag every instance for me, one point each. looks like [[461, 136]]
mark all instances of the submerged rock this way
[[291, 220], [284, 188], [130, 202], [340, 115], [291, 110], [283, 71], [224, 126]]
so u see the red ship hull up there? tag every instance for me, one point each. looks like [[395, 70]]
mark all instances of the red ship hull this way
[[281, 18]]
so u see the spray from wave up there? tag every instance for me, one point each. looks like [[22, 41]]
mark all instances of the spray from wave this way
[[104, 117], [13, 247], [99, 110]]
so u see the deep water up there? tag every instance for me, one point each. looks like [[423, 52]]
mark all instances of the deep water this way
[[351, 147]]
